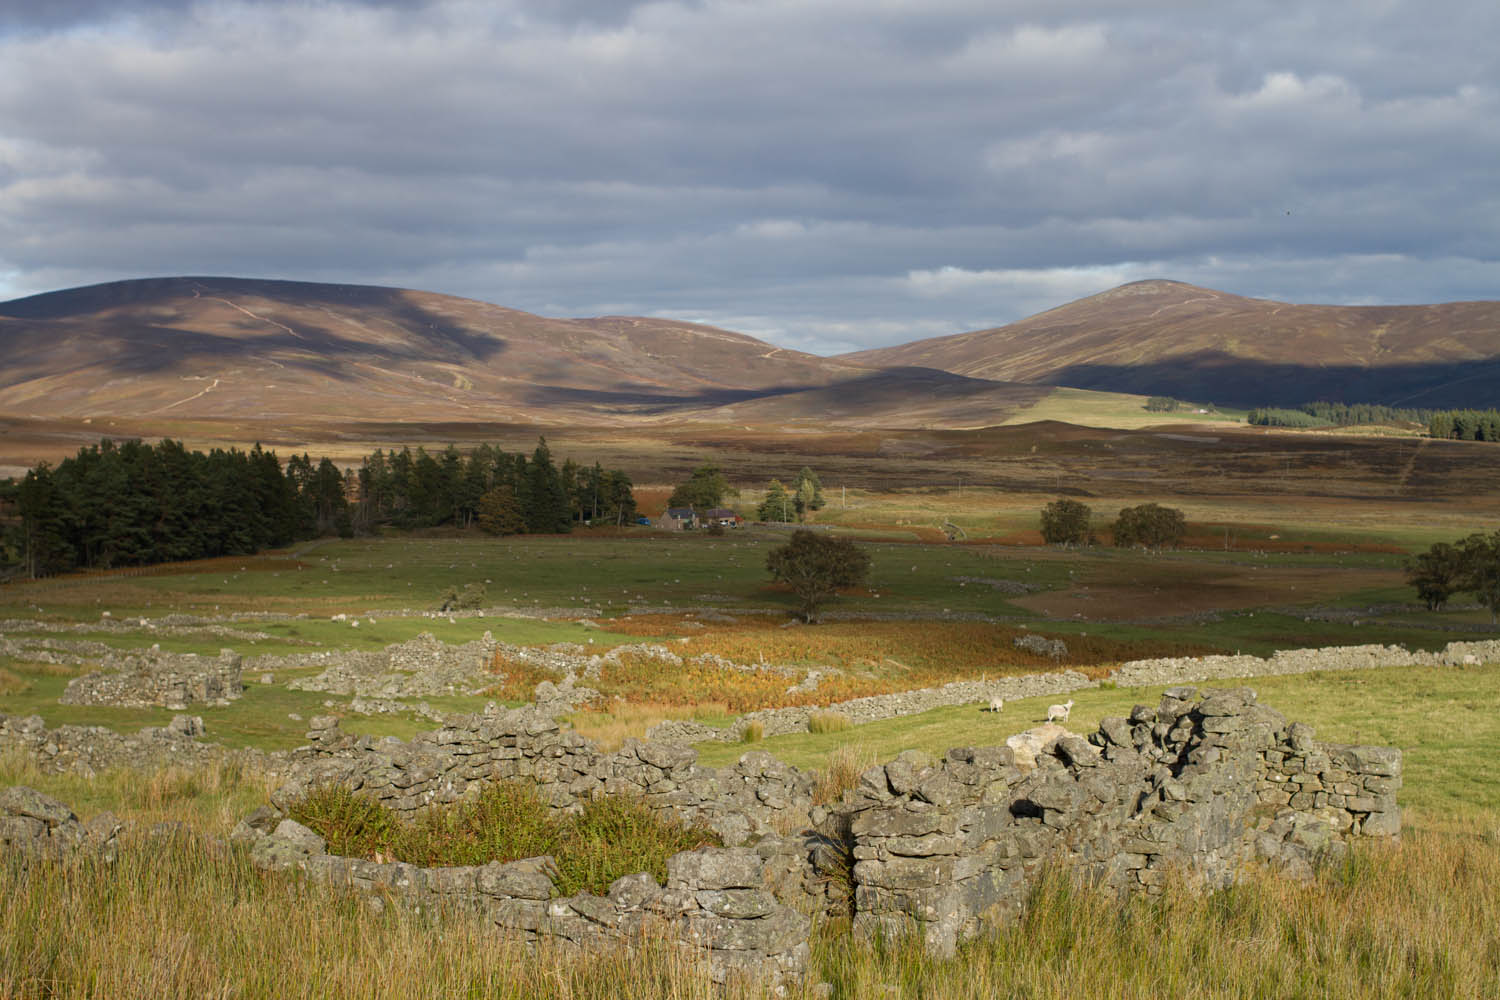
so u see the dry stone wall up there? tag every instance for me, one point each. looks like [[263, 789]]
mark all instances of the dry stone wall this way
[[740, 803], [1181, 670], [718, 900], [422, 666], [88, 750], [1201, 785], [154, 679]]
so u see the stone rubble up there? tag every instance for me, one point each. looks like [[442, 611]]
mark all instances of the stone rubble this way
[[154, 679], [33, 825]]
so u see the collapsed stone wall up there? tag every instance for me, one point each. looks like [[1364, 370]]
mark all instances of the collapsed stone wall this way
[[1200, 785], [88, 750], [154, 679], [741, 803], [715, 899], [424, 665], [33, 825]]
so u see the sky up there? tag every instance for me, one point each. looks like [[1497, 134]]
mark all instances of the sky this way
[[829, 175]]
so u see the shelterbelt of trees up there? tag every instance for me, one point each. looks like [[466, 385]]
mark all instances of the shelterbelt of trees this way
[[1463, 425], [134, 503]]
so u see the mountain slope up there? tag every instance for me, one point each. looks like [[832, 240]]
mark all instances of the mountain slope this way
[[225, 347], [1170, 338]]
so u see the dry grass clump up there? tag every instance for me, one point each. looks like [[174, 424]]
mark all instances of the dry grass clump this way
[[845, 764], [754, 731], [828, 722], [507, 821]]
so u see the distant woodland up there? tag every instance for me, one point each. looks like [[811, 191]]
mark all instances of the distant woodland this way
[[1461, 425], [134, 504]]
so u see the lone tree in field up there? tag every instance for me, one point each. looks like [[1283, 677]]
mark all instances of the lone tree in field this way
[[1437, 574], [1066, 522], [1150, 525], [817, 567]]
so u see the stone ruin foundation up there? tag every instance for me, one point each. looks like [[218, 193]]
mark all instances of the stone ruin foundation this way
[[153, 679], [1199, 787]]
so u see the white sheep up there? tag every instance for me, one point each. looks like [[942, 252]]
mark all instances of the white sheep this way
[[1059, 713], [997, 704]]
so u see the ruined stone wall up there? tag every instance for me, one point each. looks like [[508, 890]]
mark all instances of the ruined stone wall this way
[[154, 679], [1199, 785], [715, 899], [424, 665], [1189, 669], [33, 825], [740, 803], [88, 750]]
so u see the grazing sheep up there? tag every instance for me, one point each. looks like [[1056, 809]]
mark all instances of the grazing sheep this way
[[996, 704], [1059, 713]]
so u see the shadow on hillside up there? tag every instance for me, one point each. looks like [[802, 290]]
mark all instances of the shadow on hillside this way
[[876, 392], [1228, 381], [303, 306]]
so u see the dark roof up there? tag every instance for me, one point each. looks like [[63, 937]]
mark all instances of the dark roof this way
[[680, 513], [720, 512]]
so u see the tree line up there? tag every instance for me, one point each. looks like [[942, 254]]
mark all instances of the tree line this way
[[1465, 425], [134, 504], [1325, 414], [1462, 425], [504, 494]]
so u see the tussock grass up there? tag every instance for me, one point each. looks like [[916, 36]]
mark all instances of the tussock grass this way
[[754, 732], [845, 764], [507, 821], [209, 798], [828, 722], [190, 922]]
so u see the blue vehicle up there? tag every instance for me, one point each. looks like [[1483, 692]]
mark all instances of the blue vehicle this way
[[643, 520]]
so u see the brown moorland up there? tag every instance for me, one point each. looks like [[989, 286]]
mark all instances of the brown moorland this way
[[1175, 339]]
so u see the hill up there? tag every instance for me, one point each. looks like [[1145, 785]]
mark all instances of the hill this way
[[1175, 339], [191, 348]]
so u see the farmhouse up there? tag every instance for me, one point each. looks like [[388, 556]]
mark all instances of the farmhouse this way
[[678, 519]]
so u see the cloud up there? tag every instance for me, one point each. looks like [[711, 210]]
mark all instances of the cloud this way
[[832, 175]]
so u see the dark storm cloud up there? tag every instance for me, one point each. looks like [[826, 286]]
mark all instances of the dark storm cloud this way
[[832, 175]]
